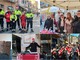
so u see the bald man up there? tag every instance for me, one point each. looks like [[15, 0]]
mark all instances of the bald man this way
[[33, 46]]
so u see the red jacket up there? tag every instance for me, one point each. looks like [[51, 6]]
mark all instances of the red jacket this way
[[23, 20], [68, 49], [61, 51], [7, 16]]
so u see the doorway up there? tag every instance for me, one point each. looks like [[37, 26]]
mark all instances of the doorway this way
[[16, 44]]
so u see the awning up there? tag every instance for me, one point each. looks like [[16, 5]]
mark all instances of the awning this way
[[75, 35], [65, 4], [49, 36]]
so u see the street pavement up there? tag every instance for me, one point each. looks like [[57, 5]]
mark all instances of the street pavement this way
[[36, 26], [14, 58]]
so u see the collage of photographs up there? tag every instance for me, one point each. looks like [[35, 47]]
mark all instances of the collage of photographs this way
[[39, 29]]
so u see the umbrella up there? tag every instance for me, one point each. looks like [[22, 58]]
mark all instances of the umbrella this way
[[45, 10], [66, 4], [76, 35], [53, 9]]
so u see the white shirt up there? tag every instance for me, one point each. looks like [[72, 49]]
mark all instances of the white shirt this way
[[62, 22], [57, 16]]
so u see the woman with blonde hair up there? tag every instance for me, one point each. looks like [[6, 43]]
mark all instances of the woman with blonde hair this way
[[68, 23]]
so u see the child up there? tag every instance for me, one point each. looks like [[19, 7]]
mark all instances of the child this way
[[7, 17], [13, 19], [23, 20]]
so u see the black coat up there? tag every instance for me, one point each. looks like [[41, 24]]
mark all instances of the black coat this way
[[33, 47], [48, 24], [76, 25], [61, 28], [59, 23]]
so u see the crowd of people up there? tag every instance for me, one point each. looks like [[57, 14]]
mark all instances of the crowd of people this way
[[14, 18], [63, 24], [67, 52]]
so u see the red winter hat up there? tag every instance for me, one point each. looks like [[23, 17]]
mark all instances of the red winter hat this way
[[33, 38]]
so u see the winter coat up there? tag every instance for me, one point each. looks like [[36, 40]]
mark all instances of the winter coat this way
[[48, 24], [23, 20], [76, 25], [7, 16], [59, 23]]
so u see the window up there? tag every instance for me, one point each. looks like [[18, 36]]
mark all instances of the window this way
[[11, 8], [23, 2], [1, 6], [11, 0]]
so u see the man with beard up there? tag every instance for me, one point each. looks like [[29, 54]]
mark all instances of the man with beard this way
[[76, 23]]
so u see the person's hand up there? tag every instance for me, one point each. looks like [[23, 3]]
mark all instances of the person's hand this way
[[58, 30], [65, 31], [51, 51]]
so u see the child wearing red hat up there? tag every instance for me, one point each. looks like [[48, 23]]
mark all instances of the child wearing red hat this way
[[7, 17], [23, 20]]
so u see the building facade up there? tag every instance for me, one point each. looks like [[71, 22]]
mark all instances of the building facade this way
[[4, 4], [5, 47], [23, 4]]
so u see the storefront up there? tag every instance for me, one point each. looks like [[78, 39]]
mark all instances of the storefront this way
[[74, 38]]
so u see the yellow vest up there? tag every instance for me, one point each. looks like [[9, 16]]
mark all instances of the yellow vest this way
[[13, 17], [29, 15], [2, 12], [17, 12]]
